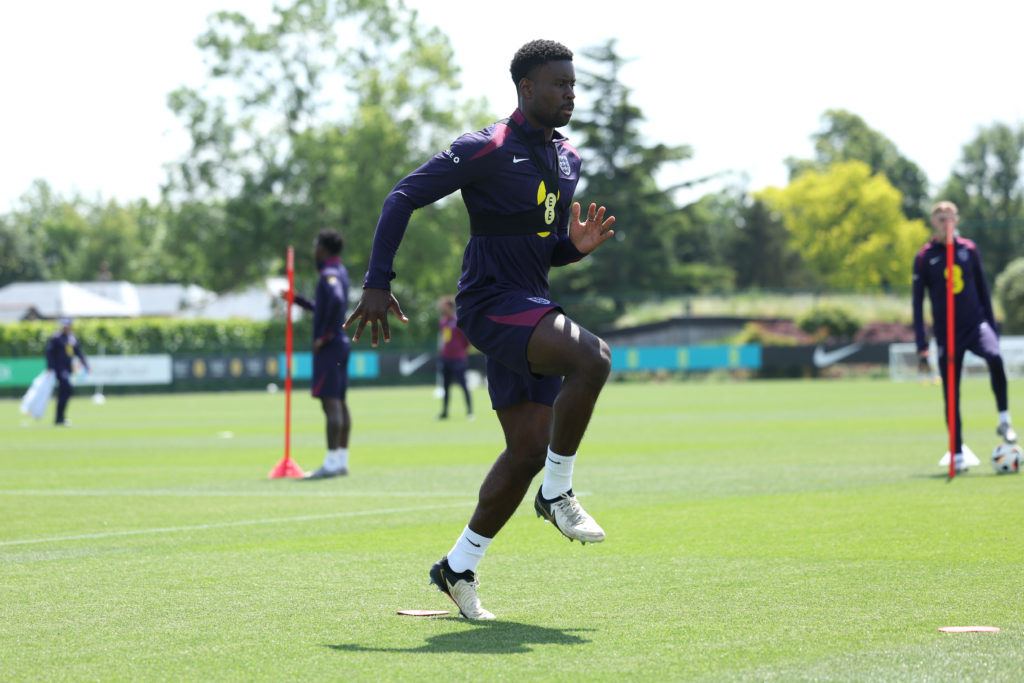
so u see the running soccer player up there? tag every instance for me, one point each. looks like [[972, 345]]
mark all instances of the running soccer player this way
[[453, 356], [330, 350], [517, 179], [973, 319]]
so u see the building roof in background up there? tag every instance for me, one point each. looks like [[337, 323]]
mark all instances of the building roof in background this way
[[254, 303], [60, 299], [171, 299], [118, 299]]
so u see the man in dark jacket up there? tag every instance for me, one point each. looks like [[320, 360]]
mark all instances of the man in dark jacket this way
[[61, 350]]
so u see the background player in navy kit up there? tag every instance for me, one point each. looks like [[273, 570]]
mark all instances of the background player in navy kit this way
[[453, 356], [974, 321], [517, 178], [61, 349], [330, 350]]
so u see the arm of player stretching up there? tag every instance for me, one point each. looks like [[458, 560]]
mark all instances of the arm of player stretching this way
[[81, 356], [422, 187], [982, 285], [441, 175], [303, 302], [918, 302]]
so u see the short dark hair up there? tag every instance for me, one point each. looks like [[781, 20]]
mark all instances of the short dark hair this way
[[537, 53], [331, 240]]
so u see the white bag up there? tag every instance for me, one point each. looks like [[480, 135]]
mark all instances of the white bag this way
[[38, 395]]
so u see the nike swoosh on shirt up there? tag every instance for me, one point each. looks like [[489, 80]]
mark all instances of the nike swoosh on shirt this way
[[934, 260], [407, 366], [517, 160], [823, 358]]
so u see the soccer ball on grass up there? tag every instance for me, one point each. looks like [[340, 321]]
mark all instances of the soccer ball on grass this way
[[1006, 458]]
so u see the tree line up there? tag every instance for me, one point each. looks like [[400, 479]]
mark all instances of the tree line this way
[[299, 126]]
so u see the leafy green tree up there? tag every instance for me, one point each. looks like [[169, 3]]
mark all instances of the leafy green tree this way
[[988, 188], [1009, 291], [844, 136], [750, 239], [275, 157], [656, 246], [848, 226], [825, 322], [50, 237], [25, 251]]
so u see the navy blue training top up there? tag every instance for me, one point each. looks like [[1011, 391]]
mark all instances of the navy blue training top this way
[[331, 302], [498, 179], [61, 348], [971, 302]]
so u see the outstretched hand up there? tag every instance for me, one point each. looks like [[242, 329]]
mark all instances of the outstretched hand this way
[[373, 309], [587, 236]]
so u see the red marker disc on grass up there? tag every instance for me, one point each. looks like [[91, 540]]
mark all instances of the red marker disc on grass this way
[[970, 629], [422, 612]]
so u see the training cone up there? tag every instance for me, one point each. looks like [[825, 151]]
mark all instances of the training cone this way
[[286, 468]]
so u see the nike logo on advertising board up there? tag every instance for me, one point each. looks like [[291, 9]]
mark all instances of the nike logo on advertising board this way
[[517, 160], [823, 358], [407, 366]]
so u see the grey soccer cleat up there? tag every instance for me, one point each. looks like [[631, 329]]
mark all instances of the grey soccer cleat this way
[[324, 473], [568, 517], [461, 588], [1008, 433]]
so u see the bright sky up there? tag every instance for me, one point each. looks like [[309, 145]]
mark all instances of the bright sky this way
[[83, 86]]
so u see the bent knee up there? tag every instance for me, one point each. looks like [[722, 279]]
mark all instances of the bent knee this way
[[596, 363], [529, 457]]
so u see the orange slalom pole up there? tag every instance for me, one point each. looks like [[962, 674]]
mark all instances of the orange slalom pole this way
[[288, 467], [950, 353], [288, 355]]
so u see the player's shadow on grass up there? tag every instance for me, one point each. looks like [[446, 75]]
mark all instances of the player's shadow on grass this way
[[485, 638]]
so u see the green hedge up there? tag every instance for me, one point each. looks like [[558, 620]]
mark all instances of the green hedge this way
[[823, 322], [156, 335], [1009, 292]]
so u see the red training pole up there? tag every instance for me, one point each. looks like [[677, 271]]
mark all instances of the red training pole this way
[[288, 467], [288, 356], [950, 352]]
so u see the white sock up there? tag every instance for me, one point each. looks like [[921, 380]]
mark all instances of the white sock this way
[[336, 459], [1004, 417], [557, 474], [467, 552]]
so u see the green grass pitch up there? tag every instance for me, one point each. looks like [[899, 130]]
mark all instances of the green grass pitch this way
[[756, 531]]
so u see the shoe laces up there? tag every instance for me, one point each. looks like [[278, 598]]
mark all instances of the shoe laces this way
[[468, 590], [570, 508]]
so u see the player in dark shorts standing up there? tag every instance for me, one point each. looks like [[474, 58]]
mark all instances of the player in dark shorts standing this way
[[973, 319], [330, 350], [517, 178], [454, 358]]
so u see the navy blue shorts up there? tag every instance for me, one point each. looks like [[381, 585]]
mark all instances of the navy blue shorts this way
[[330, 371], [453, 370], [982, 341], [501, 331]]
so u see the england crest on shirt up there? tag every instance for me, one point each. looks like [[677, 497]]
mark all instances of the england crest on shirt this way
[[563, 164]]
